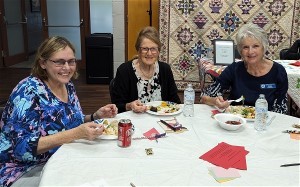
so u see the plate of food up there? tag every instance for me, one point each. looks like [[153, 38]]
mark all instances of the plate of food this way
[[110, 128], [247, 112], [163, 108]]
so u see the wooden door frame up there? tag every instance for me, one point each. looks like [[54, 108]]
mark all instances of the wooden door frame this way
[[85, 29], [2, 39], [154, 21], [6, 59], [126, 28]]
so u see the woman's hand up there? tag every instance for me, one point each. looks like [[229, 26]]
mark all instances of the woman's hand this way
[[107, 111], [220, 103], [90, 130], [137, 106]]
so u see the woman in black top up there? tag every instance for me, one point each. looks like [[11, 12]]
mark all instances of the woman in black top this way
[[144, 78]]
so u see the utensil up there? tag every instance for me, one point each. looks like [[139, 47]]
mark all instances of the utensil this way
[[163, 135], [269, 123], [291, 131], [236, 100], [287, 165], [174, 127]]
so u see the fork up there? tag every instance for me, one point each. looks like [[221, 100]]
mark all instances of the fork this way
[[236, 100], [273, 117]]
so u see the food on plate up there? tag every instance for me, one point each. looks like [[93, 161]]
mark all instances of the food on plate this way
[[110, 128], [245, 111], [165, 107], [152, 108], [233, 122]]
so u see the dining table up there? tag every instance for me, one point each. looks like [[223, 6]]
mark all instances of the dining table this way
[[293, 73], [175, 158]]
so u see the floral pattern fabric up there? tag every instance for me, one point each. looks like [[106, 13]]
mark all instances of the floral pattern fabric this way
[[148, 90], [33, 111]]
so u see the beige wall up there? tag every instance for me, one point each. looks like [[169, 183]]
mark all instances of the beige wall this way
[[118, 33]]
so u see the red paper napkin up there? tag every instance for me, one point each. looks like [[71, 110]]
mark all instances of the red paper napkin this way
[[214, 112], [227, 156], [297, 63], [151, 133]]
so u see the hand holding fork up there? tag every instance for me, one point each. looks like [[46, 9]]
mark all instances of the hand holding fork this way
[[230, 101]]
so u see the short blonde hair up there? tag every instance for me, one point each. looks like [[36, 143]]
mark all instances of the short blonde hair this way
[[49, 47], [251, 30]]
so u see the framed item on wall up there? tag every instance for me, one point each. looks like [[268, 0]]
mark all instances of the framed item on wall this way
[[223, 52], [35, 5]]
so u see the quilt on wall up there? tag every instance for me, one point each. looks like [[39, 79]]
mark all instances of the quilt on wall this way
[[188, 27]]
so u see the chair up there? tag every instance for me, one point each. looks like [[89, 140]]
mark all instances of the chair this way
[[111, 86], [282, 54], [291, 53]]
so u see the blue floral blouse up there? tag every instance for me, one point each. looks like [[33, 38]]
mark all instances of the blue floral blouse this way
[[33, 111]]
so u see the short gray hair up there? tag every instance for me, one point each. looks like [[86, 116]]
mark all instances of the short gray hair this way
[[251, 30]]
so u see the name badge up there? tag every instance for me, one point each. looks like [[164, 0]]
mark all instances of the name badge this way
[[268, 86]]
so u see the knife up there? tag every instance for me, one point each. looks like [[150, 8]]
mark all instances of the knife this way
[[174, 128], [163, 135]]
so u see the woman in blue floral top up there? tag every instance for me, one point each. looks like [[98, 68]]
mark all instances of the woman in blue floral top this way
[[43, 112]]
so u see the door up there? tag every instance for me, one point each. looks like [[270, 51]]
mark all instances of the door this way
[[67, 18], [139, 13], [13, 21]]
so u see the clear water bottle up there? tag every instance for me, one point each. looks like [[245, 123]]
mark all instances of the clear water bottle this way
[[189, 100], [261, 113]]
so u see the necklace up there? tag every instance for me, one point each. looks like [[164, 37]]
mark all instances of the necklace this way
[[149, 75]]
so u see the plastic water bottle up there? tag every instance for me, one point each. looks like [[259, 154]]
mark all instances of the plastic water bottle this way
[[189, 99], [261, 113]]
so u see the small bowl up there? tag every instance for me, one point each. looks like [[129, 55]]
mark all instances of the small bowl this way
[[222, 118]]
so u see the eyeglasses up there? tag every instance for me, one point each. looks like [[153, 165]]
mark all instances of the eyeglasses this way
[[153, 50], [62, 62]]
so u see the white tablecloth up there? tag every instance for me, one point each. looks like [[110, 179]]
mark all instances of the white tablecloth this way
[[293, 73], [176, 158]]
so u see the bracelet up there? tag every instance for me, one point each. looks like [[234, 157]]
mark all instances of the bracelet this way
[[92, 117]]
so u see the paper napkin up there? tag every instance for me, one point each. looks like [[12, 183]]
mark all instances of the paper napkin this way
[[227, 156], [171, 122], [297, 63], [223, 175], [151, 133]]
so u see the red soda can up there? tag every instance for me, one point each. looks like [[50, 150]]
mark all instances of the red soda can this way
[[124, 132]]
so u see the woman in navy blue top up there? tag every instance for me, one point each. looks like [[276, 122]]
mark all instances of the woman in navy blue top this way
[[252, 76]]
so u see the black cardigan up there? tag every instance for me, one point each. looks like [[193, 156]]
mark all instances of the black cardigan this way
[[125, 85]]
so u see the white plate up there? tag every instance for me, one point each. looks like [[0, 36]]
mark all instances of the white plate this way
[[108, 136], [270, 115], [237, 110], [157, 103]]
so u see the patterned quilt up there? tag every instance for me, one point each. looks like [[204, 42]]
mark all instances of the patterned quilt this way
[[188, 27]]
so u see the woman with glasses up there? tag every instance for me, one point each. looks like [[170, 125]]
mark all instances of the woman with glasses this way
[[42, 113], [144, 78]]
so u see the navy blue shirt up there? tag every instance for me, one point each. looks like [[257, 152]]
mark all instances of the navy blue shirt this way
[[235, 77]]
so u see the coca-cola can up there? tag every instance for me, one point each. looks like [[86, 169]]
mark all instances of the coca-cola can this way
[[124, 133]]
